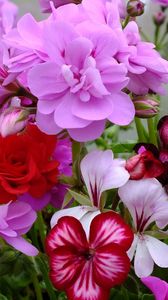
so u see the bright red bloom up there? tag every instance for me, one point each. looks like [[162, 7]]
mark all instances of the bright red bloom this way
[[145, 164], [87, 269], [26, 164]]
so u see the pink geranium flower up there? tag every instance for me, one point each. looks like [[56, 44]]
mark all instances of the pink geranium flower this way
[[8, 14], [16, 219], [46, 4], [147, 202], [83, 90], [87, 268], [158, 287]]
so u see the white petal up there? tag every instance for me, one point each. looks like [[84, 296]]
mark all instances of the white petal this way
[[133, 247], [143, 262], [158, 251]]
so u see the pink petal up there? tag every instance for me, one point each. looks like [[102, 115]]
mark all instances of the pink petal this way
[[22, 245], [46, 123], [85, 287], [143, 262], [65, 265], [123, 109], [109, 228], [111, 266], [158, 287], [68, 231], [158, 251], [88, 133]]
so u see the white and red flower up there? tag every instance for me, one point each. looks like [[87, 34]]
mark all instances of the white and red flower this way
[[87, 268]]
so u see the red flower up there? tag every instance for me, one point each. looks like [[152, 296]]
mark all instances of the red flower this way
[[26, 164], [145, 164], [87, 269]]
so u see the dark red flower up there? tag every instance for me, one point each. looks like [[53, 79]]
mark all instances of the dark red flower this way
[[87, 268], [145, 164], [26, 164], [163, 131]]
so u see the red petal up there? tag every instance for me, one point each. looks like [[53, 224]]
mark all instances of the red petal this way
[[67, 232], [85, 287], [111, 266], [65, 266], [109, 228]]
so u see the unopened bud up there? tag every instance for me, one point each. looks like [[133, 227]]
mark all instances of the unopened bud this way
[[135, 8], [159, 18], [13, 120], [145, 108]]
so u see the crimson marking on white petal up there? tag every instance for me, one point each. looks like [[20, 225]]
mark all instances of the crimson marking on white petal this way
[[109, 228], [85, 288], [111, 265], [68, 231]]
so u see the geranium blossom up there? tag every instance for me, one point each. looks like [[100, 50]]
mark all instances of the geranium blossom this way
[[147, 202], [87, 269], [8, 14], [46, 4], [16, 219], [82, 90], [158, 287], [109, 173]]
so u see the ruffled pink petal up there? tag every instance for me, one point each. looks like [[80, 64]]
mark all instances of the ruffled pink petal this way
[[67, 232], [88, 133], [109, 228], [111, 266], [158, 287], [46, 123]]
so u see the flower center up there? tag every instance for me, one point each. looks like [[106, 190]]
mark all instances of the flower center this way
[[89, 254]]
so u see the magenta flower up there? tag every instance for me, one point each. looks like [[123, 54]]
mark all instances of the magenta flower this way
[[87, 269], [108, 174], [158, 287], [82, 90], [147, 202], [16, 219]]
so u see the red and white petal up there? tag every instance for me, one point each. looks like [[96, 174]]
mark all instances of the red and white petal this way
[[68, 231], [111, 266], [109, 228], [85, 287], [65, 265]]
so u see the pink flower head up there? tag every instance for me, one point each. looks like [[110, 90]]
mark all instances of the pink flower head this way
[[81, 90], [147, 202], [87, 268], [146, 69], [162, 2], [12, 120], [8, 14], [158, 287], [16, 219], [100, 172]]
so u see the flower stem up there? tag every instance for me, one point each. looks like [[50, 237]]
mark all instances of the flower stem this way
[[41, 227], [140, 129], [126, 21], [152, 132], [36, 284]]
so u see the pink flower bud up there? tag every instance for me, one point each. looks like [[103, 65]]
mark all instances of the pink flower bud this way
[[13, 120], [135, 8], [145, 108], [163, 130], [159, 18]]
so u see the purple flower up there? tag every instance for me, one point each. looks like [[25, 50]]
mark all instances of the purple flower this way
[[158, 287], [16, 219], [81, 90], [147, 202]]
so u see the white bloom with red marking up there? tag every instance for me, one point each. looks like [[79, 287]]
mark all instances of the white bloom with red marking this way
[[87, 268], [147, 202]]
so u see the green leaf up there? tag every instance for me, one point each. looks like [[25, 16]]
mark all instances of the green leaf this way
[[68, 197], [148, 297], [81, 199], [2, 297], [123, 148]]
